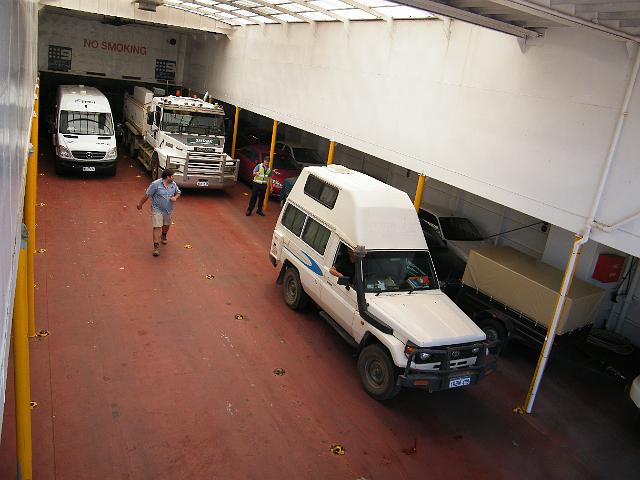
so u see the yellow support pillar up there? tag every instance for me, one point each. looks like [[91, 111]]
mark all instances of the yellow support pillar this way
[[274, 132], [332, 148], [417, 200], [21, 366], [235, 133], [30, 213]]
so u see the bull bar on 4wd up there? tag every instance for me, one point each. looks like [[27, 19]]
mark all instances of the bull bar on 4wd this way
[[446, 377]]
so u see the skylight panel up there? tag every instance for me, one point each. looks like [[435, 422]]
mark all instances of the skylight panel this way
[[262, 19], [242, 21], [173, 2], [285, 17], [226, 15], [209, 10], [223, 6], [267, 10], [330, 4], [206, 2], [377, 3], [319, 16], [244, 13], [294, 7], [403, 12], [247, 3], [355, 14], [190, 5]]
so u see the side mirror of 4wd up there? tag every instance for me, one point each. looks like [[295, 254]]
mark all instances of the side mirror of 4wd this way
[[345, 281]]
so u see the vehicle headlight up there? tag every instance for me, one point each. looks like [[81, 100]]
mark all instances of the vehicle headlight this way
[[63, 152], [424, 356], [476, 350], [112, 154]]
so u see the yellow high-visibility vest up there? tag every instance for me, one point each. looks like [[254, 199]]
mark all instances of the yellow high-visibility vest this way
[[263, 176]]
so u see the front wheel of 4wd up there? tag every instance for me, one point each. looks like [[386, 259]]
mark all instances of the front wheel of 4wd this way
[[292, 291], [377, 372], [495, 331]]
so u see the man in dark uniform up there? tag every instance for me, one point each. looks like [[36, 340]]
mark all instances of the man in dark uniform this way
[[261, 177]]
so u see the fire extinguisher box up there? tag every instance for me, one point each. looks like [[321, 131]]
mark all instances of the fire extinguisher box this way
[[608, 268]]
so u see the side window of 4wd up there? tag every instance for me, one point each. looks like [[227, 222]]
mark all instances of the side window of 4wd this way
[[293, 219], [322, 192], [316, 236]]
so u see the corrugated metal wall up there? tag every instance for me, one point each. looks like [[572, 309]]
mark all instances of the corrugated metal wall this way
[[18, 37]]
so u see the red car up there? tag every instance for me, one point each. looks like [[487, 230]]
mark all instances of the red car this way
[[283, 165]]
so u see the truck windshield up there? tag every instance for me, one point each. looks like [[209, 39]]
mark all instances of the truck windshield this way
[[398, 271], [459, 228], [195, 123], [86, 123]]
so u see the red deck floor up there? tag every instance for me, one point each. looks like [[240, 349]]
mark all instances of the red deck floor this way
[[148, 375]]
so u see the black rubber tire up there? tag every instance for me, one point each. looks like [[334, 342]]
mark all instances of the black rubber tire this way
[[58, 168], [292, 292], [155, 168], [112, 171], [377, 372], [495, 330]]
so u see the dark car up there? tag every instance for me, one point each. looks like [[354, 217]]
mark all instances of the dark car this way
[[287, 186], [450, 238]]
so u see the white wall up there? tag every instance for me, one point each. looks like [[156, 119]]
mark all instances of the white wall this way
[[529, 130], [18, 31], [117, 52]]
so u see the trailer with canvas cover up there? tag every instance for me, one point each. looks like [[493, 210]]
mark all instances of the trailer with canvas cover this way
[[511, 294]]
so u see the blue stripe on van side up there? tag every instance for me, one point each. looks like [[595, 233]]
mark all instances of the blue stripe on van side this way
[[312, 265]]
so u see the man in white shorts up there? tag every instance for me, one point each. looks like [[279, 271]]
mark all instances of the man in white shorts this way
[[163, 192]]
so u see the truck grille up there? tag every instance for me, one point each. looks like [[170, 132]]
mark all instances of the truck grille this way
[[88, 155], [206, 164]]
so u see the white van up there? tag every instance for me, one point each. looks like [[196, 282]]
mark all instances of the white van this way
[[84, 135], [387, 302]]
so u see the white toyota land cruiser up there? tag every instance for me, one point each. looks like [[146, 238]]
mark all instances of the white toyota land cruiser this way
[[355, 247]]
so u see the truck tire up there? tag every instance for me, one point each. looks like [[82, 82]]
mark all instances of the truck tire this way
[[494, 330], [58, 168], [155, 168], [292, 292], [377, 372], [112, 171]]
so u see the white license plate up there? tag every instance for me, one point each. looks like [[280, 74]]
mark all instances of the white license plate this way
[[202, 183], [459, 382], [88, 169]]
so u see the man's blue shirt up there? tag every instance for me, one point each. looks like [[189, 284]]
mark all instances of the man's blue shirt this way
[[160, 196]]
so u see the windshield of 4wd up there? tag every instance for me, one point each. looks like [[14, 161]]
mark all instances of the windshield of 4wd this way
[[283, 162], [86, 123], [398, 271], [459, 228], [195, 123]]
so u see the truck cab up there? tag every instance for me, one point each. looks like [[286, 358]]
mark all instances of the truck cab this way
[[84, 133], [185, 134], [354, 246]]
